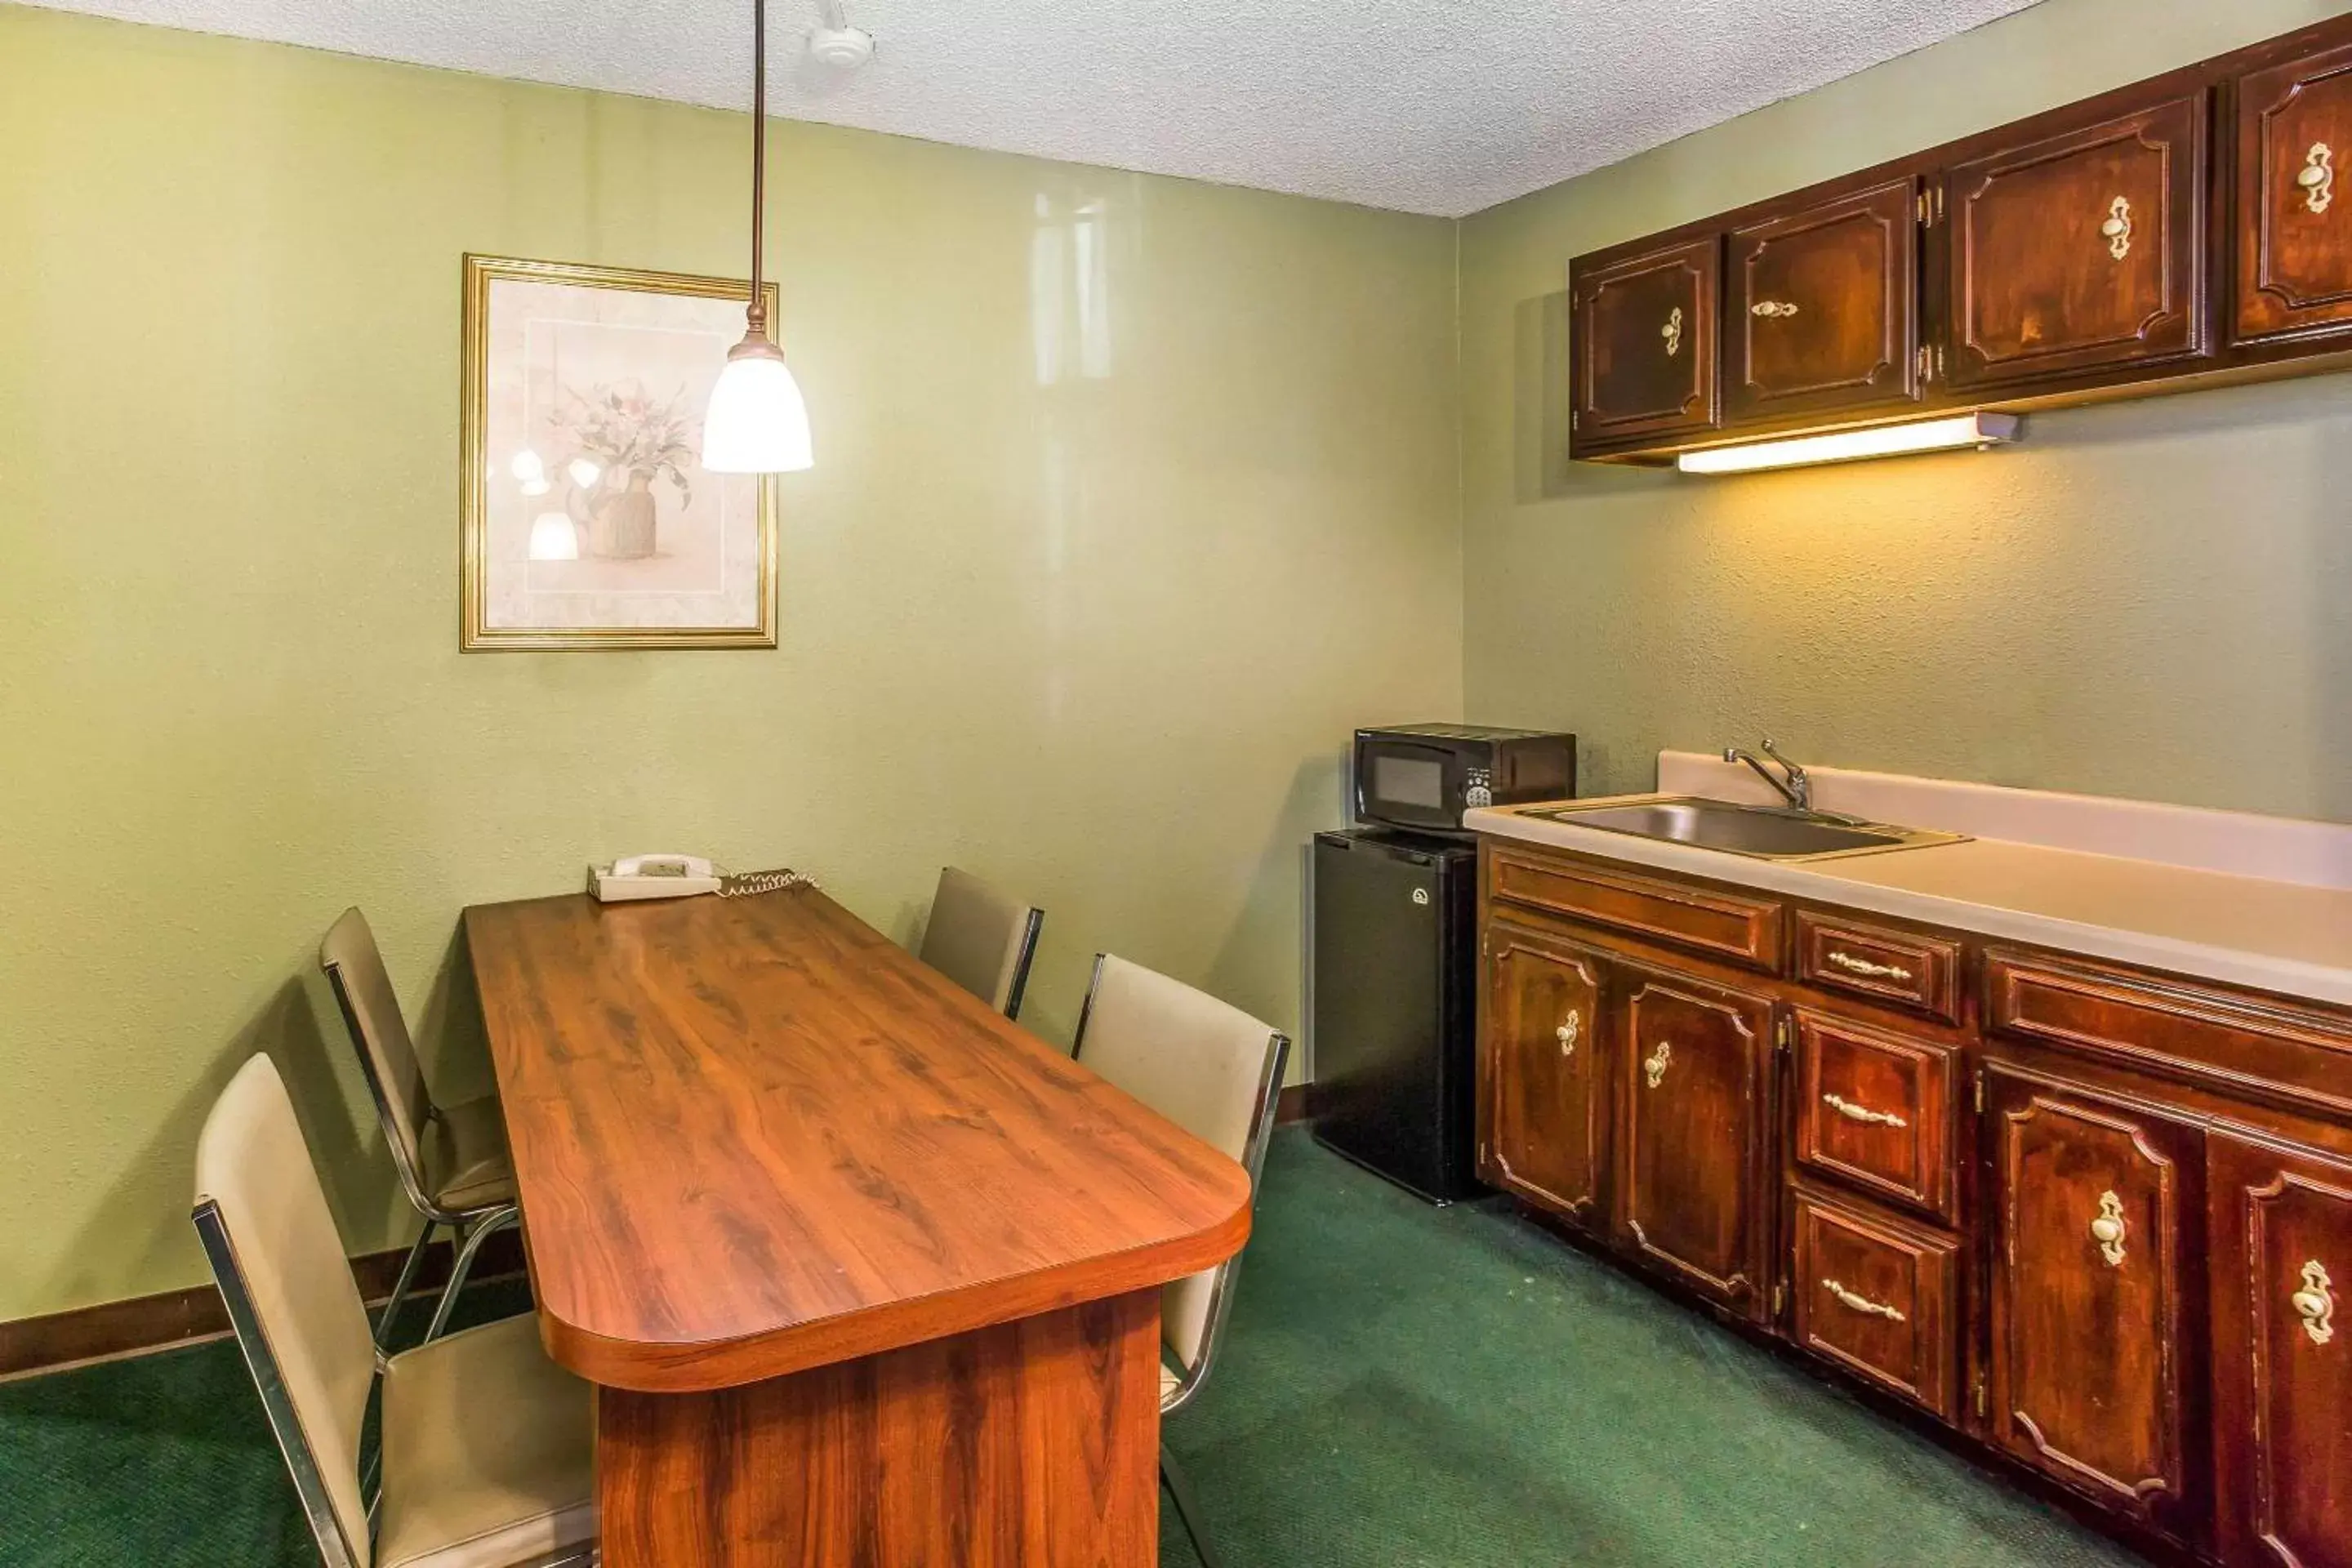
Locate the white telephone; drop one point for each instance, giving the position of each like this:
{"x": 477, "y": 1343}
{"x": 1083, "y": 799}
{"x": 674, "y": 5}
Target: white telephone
{"x": 682, "y": 876}
{"x": 653, "y": 876}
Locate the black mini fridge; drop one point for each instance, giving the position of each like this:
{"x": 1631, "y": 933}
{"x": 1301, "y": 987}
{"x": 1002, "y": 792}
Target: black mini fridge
{"x": 1393, "y": 1010}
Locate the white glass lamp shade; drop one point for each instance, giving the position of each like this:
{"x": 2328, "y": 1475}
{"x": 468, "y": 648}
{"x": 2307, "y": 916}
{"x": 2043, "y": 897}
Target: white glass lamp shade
{"x": 757, "y": 423}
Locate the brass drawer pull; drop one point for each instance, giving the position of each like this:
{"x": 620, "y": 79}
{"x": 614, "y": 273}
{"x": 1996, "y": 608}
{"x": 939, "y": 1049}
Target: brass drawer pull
{"x": 2108, "y": 1230}
{"x": 1673, "y": 331}
{"x": 1654, "y": 1068}
{"x": 2315, "y": 1303}
{"x": 1861, "y": 1303}
{"x": 1769, "y": 308}
{"x": 2317, "y": 177}
{"x": 1865, "y": 968}
{"x": 1566, "y": 1034}
{"x": 2119, "y": 228}
{"x": 1852, "y": 1112}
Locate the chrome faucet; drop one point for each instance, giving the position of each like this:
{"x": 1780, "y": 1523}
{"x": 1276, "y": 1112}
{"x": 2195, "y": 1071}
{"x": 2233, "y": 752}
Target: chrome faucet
{"x": 1797, "y": 790}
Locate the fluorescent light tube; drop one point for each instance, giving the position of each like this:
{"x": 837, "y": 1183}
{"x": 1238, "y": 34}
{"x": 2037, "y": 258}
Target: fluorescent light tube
{"x": 1978, "y": 430}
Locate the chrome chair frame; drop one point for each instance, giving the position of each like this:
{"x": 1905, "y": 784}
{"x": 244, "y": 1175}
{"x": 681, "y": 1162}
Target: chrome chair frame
{"x": 1031, "y": 926}
{"x": 471, "y": 1227}
{"x": 1220, "y": 1293}
{"x": 335, "y": 1549}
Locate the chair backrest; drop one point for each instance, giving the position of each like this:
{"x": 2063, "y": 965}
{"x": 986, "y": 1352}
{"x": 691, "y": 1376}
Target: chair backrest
{"x": 981, "y": 939}
{"x": 387, "y": 1053}
{"x": 1209, "y": 1068}
{"x": 279, "y": 1263}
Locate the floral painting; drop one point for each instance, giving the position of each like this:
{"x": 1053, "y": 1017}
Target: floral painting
{"x": 589, "y": 520}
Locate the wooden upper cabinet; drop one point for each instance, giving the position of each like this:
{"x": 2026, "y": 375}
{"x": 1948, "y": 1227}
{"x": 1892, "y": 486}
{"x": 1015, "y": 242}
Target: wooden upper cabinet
{"x": 1823, "y": 307}
{"x": 2094, "y": 1322}
{"x": 1691, "y": 1061}
{"x": 2294, "y": 214}
{"x": 1643, "y": 346}
{"x": 1547, "y": 1115}
{"x": 2080, "y": 251}
{"x": 2282, "y": 1281}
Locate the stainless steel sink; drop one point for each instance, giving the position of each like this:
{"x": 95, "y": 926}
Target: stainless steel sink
{"x": 1765, "y": 832}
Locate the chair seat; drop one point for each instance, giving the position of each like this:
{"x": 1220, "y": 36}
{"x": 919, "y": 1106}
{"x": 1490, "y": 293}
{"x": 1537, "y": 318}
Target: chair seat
{"x": 1170, "y": 1380}
{"x": 470, "y": 1161}
{"x": 488, "y": 1453}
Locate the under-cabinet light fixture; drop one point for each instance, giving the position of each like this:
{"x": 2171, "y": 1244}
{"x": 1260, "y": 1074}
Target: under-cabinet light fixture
{"x": 1978, "y": 430}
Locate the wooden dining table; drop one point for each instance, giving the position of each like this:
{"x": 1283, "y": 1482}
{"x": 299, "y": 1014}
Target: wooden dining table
{"x": 863, "y": 1272}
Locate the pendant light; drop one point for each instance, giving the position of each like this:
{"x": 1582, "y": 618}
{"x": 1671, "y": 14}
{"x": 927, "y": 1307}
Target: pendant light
{"x": 757, "y": 422}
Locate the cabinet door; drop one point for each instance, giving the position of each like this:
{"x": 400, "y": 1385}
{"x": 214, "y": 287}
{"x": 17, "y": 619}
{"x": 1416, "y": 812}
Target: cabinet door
{"x": 2092, "y": 1317}
{"x": 1691, "y": 1059}
{"x": 2282, "y": 1267}
{"x": 1822, "y": 308}
{"x": 1547, "y": 1115}
{"x": 2079, "y": 252}
{"x": 1643, "y": 348}
{"x": 2293, "y": 225}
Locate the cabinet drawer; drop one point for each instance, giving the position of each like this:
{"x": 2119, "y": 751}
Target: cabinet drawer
{"x": 1891, "y": 967}
{"x": 1875, "y": 1109}
{"x": 1874, "y": 1295}
{"x": 1721, "y": 925}
{"x": 2246, "y": 1046}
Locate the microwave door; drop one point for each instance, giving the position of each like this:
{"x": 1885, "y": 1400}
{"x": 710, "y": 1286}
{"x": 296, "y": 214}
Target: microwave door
{"x": 1408, "y": 785}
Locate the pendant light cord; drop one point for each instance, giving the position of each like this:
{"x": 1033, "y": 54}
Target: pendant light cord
{"x": 757, "y": 316}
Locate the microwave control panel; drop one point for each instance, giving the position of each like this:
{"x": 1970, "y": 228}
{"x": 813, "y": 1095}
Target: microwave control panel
{"x": 1477, "y": 788}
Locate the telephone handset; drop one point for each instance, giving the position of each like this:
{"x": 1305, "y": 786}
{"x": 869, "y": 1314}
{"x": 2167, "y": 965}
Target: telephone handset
{"x": 682, "y": 876}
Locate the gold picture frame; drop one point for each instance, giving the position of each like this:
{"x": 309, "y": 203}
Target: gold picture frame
{"x": 533, "y": 332}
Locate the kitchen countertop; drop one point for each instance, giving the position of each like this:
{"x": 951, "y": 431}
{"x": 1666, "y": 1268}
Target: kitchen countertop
{"x": 2242, "y": 931}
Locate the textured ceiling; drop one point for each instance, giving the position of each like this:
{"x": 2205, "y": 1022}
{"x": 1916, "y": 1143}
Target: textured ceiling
{"x": 1426, "y": 108}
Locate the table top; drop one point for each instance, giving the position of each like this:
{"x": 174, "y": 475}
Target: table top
{"x": 753, "y": 1136}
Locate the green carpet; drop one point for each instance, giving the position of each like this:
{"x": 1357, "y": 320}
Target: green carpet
{"x": 1402, "y": 1387}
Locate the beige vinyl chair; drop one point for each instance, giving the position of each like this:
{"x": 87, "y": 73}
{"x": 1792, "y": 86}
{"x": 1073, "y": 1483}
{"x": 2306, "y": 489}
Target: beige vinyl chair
{"x": 452, "y": 1160}
{"x": 981, "y": 939}
{"x": 1217, "y": 1072}
{"x": 486, "y": 1445}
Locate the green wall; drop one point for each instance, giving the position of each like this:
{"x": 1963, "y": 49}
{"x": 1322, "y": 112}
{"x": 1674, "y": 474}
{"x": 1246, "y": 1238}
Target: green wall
{"x": 1097, "y": 635}
{"x": 2144, "y": 599}
{"x": 1100, "y": 637}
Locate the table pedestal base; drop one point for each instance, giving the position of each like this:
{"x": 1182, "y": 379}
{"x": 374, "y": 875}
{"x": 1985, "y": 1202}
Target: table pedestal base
{"x": 1033, "y": 1443}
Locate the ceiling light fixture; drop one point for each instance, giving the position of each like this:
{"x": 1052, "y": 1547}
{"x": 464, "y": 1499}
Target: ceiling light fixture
{"x": 1964, "y": 430}
{"x": 835, "y": 43}
{"x": 758, "y": 421}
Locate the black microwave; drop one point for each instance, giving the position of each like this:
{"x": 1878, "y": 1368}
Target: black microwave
{"x": 1424, "y": 776}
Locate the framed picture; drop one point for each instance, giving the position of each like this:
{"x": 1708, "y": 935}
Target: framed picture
{"x": 587, "y": 518}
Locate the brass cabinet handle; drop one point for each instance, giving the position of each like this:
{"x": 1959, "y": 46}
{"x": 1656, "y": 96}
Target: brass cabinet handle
{"x": 1864, "y": 966}
{"x": 1566, "y": 1034}
{"x": 1861, "y": 1303}
{"x": 2119, "y": 228}
{"x": 2108, "y": 1230}
{"x": 1673, "y": 331}
{"x": 1773, "y": 308}
{"x": 2315, "y": 1303}
{"x": 1654, "y": 1068}
{"x": 2317, "y": 177}
{"x": 1852, "y": 1112}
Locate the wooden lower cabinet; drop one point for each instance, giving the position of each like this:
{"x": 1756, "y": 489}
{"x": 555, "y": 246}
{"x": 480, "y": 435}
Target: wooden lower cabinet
{"x": 2281, "y": 1265}
{"x": 2032, "y": 1195}
{"x": 2094, "y": 1221}
{"x": 1546, "y": 1110}
{"x": 1691, "y": 1061}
